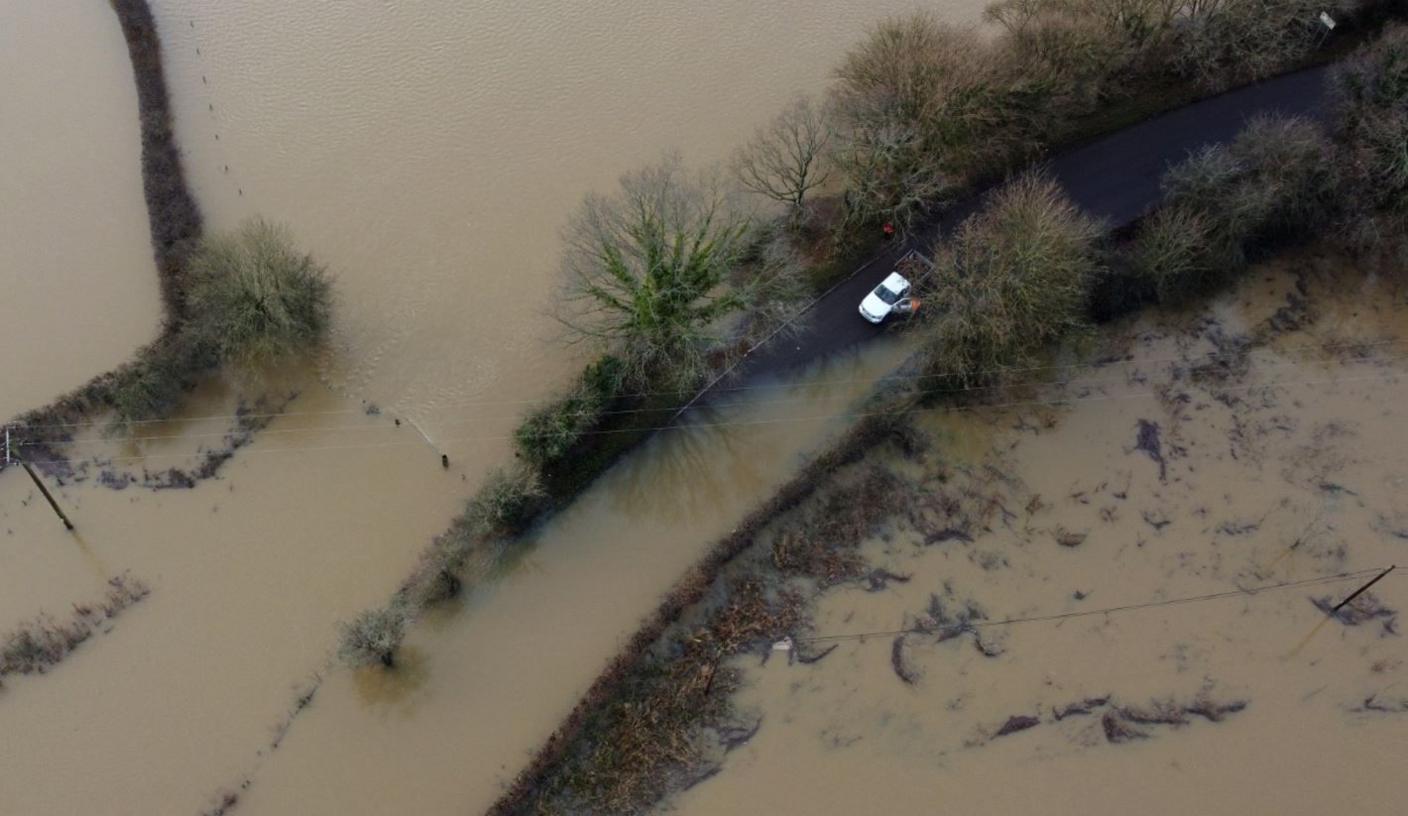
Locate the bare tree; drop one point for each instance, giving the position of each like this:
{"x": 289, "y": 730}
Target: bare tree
{"x": 785, "y": 160}
{"x": 373, "y": 637}
{"x": 1013, "y": 279}
{"x": 918, "y": 107}
{"x": 646, "y": 271}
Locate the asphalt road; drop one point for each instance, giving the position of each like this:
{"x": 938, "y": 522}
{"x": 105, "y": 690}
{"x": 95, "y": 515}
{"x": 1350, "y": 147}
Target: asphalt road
{"x": 1115, "y": 178}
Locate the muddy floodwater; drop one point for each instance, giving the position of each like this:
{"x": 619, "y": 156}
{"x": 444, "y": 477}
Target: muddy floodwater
{"x": 1220, "y": 452}
{"x": 430, "y": 152}
{"x": 78, "y": 290}
{"x": 486, "y": 682}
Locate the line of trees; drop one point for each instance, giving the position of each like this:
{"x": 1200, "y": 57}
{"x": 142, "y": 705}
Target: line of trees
{"x": 671, "y": 275}
{"x": 1030, "y": 271}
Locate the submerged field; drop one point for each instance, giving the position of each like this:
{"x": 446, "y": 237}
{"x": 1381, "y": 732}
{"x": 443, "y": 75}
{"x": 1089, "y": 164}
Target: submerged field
{"x": 175, "y": 654}
{"x": 79, "y": 290}
{"x": 1252, "y": 444}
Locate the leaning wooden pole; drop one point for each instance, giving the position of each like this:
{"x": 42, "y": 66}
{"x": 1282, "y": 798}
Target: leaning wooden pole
{"x": 42, "y": 489}
{"x": 1361, "y": 590}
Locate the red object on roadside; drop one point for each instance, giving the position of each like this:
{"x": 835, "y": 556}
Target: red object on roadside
{"x": 889, "y": 229}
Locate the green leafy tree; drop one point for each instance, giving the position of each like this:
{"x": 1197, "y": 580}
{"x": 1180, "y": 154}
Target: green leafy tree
{"x": 647, "y": 272}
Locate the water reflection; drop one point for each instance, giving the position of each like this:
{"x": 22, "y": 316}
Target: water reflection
{"x": 730, "y": 449}
{"x": 398, "y": 690}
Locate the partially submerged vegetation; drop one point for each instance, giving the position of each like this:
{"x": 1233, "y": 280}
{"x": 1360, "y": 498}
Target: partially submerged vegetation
{"x": 632, "y": 728}
{"x": 670, "y": 282}
{"x": 1268, "y": 189}
{"x": 1013, "y": 281}
{"x": 243, "y": 299}
{"x": 39, "y": 644}
{"x": 252, "y": 299}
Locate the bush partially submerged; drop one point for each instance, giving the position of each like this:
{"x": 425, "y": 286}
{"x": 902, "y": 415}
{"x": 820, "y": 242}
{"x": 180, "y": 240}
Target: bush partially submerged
{"x": 1013, "y": 280}
{"x": 550, "y": 432}
{"x": 505, "y": 504}
{"x": 645, "y": 272}
{"x": 39, "y": 644}
{"x": 373, "y": 637}
{"x": 254, "y": 297}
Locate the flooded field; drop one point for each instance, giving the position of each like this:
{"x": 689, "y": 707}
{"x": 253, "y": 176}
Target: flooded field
{"x": 487, "y": 681}
{"x": 79, "y": 291}
{"x": 430, "y": 152}
{"x": 1128, "y": 519}
{"x": 248, "y": 575}
{"x": 428, "y": 156}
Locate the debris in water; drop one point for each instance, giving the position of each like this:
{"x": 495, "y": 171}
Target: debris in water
{"x": 1118, "y": 731}
{"x": 880, "y": 578}
{"x": 1156, "y": 519}
{"x": 1015, "y": 723}
{"x": 1148, "y": 441}
{"x": 948, "y": 534}
{"x": 1375, "y": 704}
{"x": 816, "y": 658}
{"x": 1079, "y": 708}
{"x": 902, "y": 671}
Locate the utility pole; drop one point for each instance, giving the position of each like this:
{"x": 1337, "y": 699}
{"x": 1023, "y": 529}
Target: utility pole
{"x": 1360, "y": 591}
{"x": 10, "y": 460}
{"x": 42, "y": 489}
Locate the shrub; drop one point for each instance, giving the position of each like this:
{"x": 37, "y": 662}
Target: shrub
{"x": 1013, "y": 279}
{"x": 1276, "y": 179}
{"x": 254, "y": 297}
{"x": 1079, "y": 44}
{"x": 1171, "y": 256}
{"x": 373, "y": 637}
{"x": 505, "y": 504}
{"x": 1275, "y": 182}
{"x": 151, "y": 387}
{"x": 1371, "y": 92}
{"x": 552, "y": 431}
{"x": 1220, "y": 43}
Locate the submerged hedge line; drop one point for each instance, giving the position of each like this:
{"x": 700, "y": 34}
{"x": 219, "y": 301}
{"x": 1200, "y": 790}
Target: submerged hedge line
{"x": 244, "y": 298}
{"x": 176, "y": 227}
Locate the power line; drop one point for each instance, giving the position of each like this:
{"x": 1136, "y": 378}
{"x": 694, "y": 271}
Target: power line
{"x": 1212, "y": 596}
{"x": 770, "y": 421}
{"x": 748, "y": 403}
{"x": 1004, "y": 371}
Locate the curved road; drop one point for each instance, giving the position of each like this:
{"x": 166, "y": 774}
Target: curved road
{"x": 1115, "y": 177}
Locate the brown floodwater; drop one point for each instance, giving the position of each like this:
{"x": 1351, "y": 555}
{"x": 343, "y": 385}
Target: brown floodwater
{"x": 485, "y": 682}
{"x": 1290, "y": 470}
{"x": 428, "y": 154}
{"x": 78, "y": 289}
